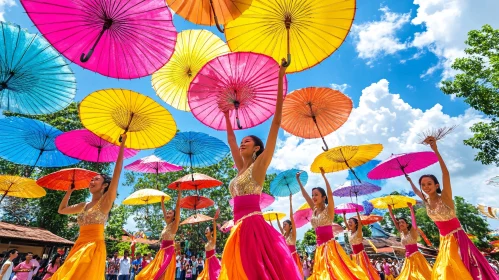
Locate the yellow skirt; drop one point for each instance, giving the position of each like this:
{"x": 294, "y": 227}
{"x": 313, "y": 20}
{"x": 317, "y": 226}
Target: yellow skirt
{"x": 415, "y": 267}
{"x": 87, "y": 258}
{"x": 151, "y": 270}
{"x": 448, "y": 264}
{"x": 362, "y": 260}
{"x": 331, "y": 262}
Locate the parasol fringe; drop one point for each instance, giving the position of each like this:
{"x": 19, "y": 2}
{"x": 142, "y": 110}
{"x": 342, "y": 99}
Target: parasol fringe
{"x": 438, "y": 133}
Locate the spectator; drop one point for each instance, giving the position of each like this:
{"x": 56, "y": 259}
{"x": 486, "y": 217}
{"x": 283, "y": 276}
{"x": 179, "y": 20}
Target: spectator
{"x": 200, "y": 266}
{"x": 35, "y": 262}
{"x": 113, "y": 267}
{"x": 124, "y": 267}
{"x": 7, "y": 267}
{"x": 53, "y": 266}
{"x": 136, "y": 266}
{"x": 379, "y": 267}
{"x": 387, "y": 270}
{"x": 145, "y": 261}
{"x": 24, "y": 268}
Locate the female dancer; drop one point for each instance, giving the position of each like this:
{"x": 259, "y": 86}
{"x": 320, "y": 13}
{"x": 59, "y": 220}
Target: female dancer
{"x": 415, "y": 265}
{"x": 163, "y": 266}
{"x": 87, "y": 258}
{"x": 458, "y": 257}
{"x": 331, "y": 261}
{"x": 254, "y": 249}
{"x": 355, "y": 238}
{"x": 289, "y": 232}
{"x": 211, "y": 268}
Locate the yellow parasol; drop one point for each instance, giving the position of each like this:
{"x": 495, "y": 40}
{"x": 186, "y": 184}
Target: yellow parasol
{"x": 273, "y": 215}
{"x": 145, "y": 196}
{"x": 111, "y": 112}
{"x": 396, "y": 201}
{"x": 19, "y": 187}
{"x": 310, "y": 30}
{"x": 304, "y": 206}
{"x": 193, "y": 50}
{"x": 345, "y": 157}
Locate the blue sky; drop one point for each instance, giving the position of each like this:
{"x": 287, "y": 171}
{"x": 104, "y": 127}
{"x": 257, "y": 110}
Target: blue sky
{"x": 410, "y": 44}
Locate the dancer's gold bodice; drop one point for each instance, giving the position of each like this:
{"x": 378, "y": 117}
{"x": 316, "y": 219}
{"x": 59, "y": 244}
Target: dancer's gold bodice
{"x": 244, "y": 184}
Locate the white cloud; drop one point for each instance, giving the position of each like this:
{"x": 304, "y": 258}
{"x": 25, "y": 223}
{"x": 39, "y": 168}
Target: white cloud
{"x": 340, "y": 87}
{"x": 383, "y": 117}
{"x": 410, "y": 87}
{"x": 4, "y": 5}
{"x": 378, "y": 38}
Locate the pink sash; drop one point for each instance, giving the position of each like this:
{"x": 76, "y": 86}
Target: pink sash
{"x": 324, "y": 234}
{"x": 357, "y": 248}
{"x": 410, "y": 249}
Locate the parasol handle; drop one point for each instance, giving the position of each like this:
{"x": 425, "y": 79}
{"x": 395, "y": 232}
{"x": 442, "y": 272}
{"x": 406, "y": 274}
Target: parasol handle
{"x": 236, "y": 107}
{"x": 326, "y": 148}
{"x": 85, "y": 57}
{"x": 314, "y": 118}
{"x": 288, "y": 26}
{"x": 128, "y": 126}
{"x": 220, "y": 28}
{"x": 288, "y": 62}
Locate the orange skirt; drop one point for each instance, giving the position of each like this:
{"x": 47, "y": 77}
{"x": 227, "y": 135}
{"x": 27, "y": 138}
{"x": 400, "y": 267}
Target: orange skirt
{"x": 151, "y": 270}
{"x": 362, "y": 260}
{"x": 415, "y": 267}
{"x": 296, "y": 258}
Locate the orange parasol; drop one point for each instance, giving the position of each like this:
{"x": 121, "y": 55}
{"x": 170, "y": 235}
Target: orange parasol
{"x": 194, "y": 181}
{"x": 371, "y": 219}
{"x": 196, "y": 202}
{"x": 62, "y": 180}
{"x": 315, "y": 112}
{"x": 196, "y": 218}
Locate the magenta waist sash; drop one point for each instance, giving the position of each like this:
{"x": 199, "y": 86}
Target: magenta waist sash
{"x": 210, "y": 253}
{"x": 446, "y": 227}
{"x": 292, "y": 248}
{"x": 410, "y": 249}
{"x": 324, "y": 234}
{"x": 357, "y": 248}
{"x": 166, "y": 243}
{"x": 246, "y": 204}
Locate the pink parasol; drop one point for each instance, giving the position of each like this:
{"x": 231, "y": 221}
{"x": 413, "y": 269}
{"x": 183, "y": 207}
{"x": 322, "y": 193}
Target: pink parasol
{"x": 337, "y": 229}
{"x": 84, "y": 145}
{"x": 265, "y": 201}
{"x": 227, "y": 226}
{"x": 302, "y": 217}
{"x": 152, "y": 164}
{"x": 123, "y": 39}
{"x": 346, "y": 208}
{"x": 244, "y": 83}
{"x": 402, "y": 164}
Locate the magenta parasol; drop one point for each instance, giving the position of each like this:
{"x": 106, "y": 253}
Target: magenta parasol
{"x": 152, "y": 164}
{"x": 243, "y": 83}
{"x": 346, "y": 208}
{"x": 402, "y": 164}
{"x": 123, "y": 39}
{"x": 84, "y": 145}
{"x": 265, "y": 201}
{"x": 302, "y": 217}
{"x": 227, "y": 226}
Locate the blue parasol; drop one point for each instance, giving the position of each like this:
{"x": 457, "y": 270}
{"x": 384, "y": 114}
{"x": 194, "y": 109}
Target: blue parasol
{"x": 368, "y": 207}
{"x": 361, "y": 172}
{"x": 31, "y": 142}
{"x": 285, "y": 183}
{"x": 194, "y": 149}
{"x": 34, "y": 78}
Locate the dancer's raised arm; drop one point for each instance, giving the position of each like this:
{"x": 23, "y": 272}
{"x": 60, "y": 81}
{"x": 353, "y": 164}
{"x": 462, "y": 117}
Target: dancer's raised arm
{"x": 279, "y": 224}
{"x": 177, "y": 211}
{"x": 110, "y": 195}
{"x": 307, "y": 197}
{"x": 72, "y": 209}
{"x": 393, "y": 218}
{"x": 329, "y": 191}
{"x": 414, "y": 188}
{"x": 292, "y": 219}
{"x": 360, "y": 225}
{"x": 447, "y": 188}
{"x": 413, "y": 216}
{"x": 231, "y": 139}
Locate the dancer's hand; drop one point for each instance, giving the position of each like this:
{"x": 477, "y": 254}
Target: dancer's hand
{"x": 408, "y": 178}
{"x": 123, "y": 137}
{"x": 217, "y": 214}
{"x": 282, "y": 69}
{"x": 409, "y": 204}
{"x": 322, "y": 171}
{"x": 298, "y": 175}
{"x": 430, "y": 140}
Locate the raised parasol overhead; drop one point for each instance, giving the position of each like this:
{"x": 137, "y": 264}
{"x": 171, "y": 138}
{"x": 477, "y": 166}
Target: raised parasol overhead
{"x": 489, "y": 212}
{"x": 304, "y": 206}
{"x": 368, "y": 207}
{"x": 193, "y": 149}
{"x": 84, "y": 145}
{"x": 354, "y": 188}
{"x": 437, "y": 133}
{"x": 265, "y": 201}
{"x": 196, "y": 218}
{"x": 111, "y": 112}
{"x": 362, "y": 171}
{"x": 315, "y": 112}
{"x": 346, "y": 208}
{"x": 194, "y": 182}
{"x": 63, "y": 180}
{"x": 395, "y": 201}
{"x": 209, "y": 12}
{"x": 152, "y": 164}
{"x": 402, "y": 164}
{"x": 302, "y": 217}
{"x": 195, "y": 202}
{"x": 19, "y": 187}
{"x": 193, "y": 50}
{"x": 371, "y": 219}
{"x": 285, "y": 183}
{"x": 245, "y": 84}
{"x": 31, "y": 142}
{"x": 270, "y": 216}
{"x": 146, "y": 196}
{"x": 123, "y": 39}
{"x": 307, "y": 30}
{"x": 34, "y": 78}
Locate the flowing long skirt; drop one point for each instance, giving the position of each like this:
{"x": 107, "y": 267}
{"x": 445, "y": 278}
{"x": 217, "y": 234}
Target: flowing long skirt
{"x": 296, "y": 258}
{"x": 360, "y": 257}
{"x": 163, "y": 266}
{"x": 211, "y": 269}
{"x": 415, "y": 266}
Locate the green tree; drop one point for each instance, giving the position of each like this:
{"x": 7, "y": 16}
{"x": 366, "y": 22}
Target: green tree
{"x": 478, "y": 83}
{"x": 472, "y": 222}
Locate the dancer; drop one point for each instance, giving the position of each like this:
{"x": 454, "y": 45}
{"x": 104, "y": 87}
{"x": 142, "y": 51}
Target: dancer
{"x": 331, "y": 261}
{"x": 211, "y": 264}
{"x": 458, "y": 258}
{"x": 415, "y": 265}
{"x": 288, "y": 230}
{"x": 254, "y": 249}
{"x": 87, "y": 258}
{"x": 355, "y": 238}
{"x": 163, "y": 266}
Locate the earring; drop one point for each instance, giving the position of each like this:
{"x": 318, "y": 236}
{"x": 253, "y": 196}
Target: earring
{"x": 254, "y": 156}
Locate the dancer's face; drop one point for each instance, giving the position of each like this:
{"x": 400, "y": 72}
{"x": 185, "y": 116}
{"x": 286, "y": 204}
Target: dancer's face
{"x": 286, "y": 226}
{"x": 428, "y": 185}
{"x": 97, "y": 184}
{"x": 247, "y": 147}
{"x": 207, "y": 232}
{"x": 170, "y": 215}
{"x": 351, "y": 224}
{"x": 317, "y": 198}
{"x": 402, "y": 224}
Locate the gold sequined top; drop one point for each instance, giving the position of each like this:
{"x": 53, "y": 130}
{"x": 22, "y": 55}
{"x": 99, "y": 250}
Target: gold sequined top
{"x": 210, "y": 245}
{"x": 321, "y": 219}
{"x": 289, "y": 239}
{"x": 92, "y": 216}
{"x": 244, "y": 184}
{"x": 410, "y": 238}
{"x": 167, "y": 233}
{"x": 441, "y": 212}
{"x": 355, "y": 238}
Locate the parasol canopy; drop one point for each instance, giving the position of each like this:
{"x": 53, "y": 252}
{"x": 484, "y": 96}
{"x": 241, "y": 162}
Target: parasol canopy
{"x": 302, "y": 217}
{"x": 194, "y": 182}
{"x": 362, "y": 171}
{"x": 34, "y": 78}
{"x": 396, "y": 201}
{"x": 273, "y": 215}
{"x": 354, "y": 188}
{"x": 489, "y": 212}
{"x": 146, "y": 196}
{"x": 227, "y": 226}
{"x": 402, "y": 164}
{"x": 19, "y": 187}
{"x": 196, "y": 218}
{"x": 123, "y": 39}
{"x": 346, "y": 208}
{"x": 193, "y": 50}
{"x": 152, "y": 164}
{"x": 111, "y": 112}
{"x": 62, "y": 180}
{"x": 196, "y": 202}
{"x": 265, "y": 201}
{"x": 371, "y": 219}
{"x": 304, "y": 206}
{"x": 337, "y": 229}
{"x": 243, "y": 83}
{"x": 285, "y": 183}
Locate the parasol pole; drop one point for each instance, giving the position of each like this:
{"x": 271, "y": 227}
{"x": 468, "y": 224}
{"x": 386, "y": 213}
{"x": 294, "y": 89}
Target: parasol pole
{"x": 6, "y": 192}
{"x": 236, "y": 107}
{"x": 351, "y": 169}
{"x": 157, "y": 176}
{"x": 74, "y": 179}
{"x": 401, "y": 167}
{"x": 220, "y": 28}
{"x": 98, "y": 157}
{"x": 107, "y": 24}
{"x": 317, "y": 125}
{"x": 287, "y": 23}
{"x": 128, "y": 125}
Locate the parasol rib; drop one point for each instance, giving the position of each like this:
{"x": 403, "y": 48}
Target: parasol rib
{"x": 107, "y": 24}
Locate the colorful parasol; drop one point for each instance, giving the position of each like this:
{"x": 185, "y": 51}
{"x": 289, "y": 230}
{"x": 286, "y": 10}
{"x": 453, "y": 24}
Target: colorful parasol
{"x": 337, "y": 229}
{"x": 489, "y": 212}
{"x": 193, "y": 50}
{"x": 309, "y": 30}
{"x": 285, "y": 183}
{"x": 243, "y": 83}
{"x": 362, "y": 171}
{"x": 84, "y": 145}
{"x": 315, "y": 112}
{"x": 368, "y": 207}
{"x": 227, "y": 226}
{"x": 62, "y": 180}
{"x": 304, "y": 206}
{"x": 402, "y": 164}
{"x": 346, "y": 208}
{"x": 123, "y": 39}
{"x": 396, "y": 201}
{"x": 354, "y": 188}
{"x": 31, "y": 142}
{"x": 34, "y": 78}
{"x": 146, "y": 196}
{"x": 196, "y": 218}
{"x": 371, "y": 219}
{"x": 194, "y": 181}
{"x": 111, "y": 112}
{"x": 345, "y": 157}
{"x": 152, "y": 164}
{"x": 273, "y": 215}
{"x": 265, "y": 201}
{"x": 302, "y": 217}
{"x": 194, "y": 149}
{"x": 195, "y": 202}
{"x": 19, "y": 187}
